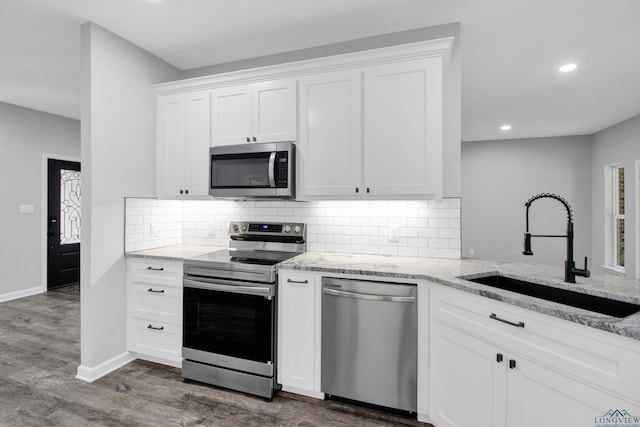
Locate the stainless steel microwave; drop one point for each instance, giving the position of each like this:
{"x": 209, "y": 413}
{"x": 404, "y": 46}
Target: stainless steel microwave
{"x": 253, "y": 171}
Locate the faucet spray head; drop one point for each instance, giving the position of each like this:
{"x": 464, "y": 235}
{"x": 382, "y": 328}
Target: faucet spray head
{"x": 527, "y": 244}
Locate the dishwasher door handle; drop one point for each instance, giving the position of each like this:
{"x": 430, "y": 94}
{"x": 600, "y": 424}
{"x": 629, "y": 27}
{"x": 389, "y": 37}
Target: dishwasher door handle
{"x": 368, "y": 297}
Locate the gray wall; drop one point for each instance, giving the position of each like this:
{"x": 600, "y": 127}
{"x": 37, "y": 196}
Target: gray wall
{"x": 498, "y": 177}
{"x": 25, "y": 135}
{"x": 452, "y": 94}
{"x": 118, "y": 157}
{"x": 617, "y": 144}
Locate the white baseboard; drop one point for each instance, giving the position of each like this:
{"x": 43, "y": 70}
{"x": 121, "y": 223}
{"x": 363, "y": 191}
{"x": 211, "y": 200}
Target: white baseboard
{"x": 89, "y": 375}
{"x": 423, "y": 418}
{"x": 21, "y": 294}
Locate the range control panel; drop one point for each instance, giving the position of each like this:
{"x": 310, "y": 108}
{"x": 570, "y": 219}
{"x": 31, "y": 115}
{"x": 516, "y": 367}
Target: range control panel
{"x": 240, "y": 229}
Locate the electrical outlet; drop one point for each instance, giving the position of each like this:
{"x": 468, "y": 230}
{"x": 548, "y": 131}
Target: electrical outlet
{"x": 394, "y": 234}
{"x": 153, "y": 230}
{"x": 212, "y": 231}
{"x": 472, "y": 252}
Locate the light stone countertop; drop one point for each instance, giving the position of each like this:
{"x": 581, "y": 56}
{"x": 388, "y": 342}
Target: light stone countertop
{"x": 448, "y": 272}
{"x": 175, "y": 252}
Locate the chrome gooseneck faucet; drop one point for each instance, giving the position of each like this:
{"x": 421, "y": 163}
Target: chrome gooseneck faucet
{"x": 570, "y": 270}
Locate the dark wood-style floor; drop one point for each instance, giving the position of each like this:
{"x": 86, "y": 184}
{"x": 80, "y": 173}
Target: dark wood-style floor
{"x": 40, "y": 352}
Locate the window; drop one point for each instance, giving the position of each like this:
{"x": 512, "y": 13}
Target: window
{"x": 617, "y": 217}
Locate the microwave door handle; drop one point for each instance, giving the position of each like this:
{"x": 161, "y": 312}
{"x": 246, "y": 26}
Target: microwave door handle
{"x": 272, "y": 166}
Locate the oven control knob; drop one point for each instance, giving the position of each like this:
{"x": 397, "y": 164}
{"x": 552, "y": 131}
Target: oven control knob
{"x": 235, "y": 228}
{"x": 287, "y": 228}
{"x": 297, "y": 229}
{"x": 244, "y": 227}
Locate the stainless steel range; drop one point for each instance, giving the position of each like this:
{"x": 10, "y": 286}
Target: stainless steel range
{"x": 229, "y": 336}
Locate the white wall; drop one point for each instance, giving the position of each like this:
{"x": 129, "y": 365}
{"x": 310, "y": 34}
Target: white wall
{"x": 617, "y": 144}
{"x": 452, "y": 126}
{"x": 25, "y": 135}
{"x": 498, "y": 177}
{"x": 118, "y": 158}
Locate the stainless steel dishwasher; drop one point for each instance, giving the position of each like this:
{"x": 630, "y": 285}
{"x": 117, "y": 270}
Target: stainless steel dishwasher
{"x": 369, "y": 342}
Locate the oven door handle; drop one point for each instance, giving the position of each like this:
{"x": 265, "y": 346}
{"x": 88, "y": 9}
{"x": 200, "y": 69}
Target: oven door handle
{"x": 236, "y": 289}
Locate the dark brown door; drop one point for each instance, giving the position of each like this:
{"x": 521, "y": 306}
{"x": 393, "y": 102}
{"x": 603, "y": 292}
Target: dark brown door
{"x": 63, "y": 223}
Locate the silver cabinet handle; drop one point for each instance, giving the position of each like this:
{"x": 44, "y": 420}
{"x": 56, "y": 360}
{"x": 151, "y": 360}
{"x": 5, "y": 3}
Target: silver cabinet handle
{"x": 161, "y": 328}
{"x": 161, "y": 291}
{"x": 369, "y": 297}
{"x": 155, "y": 269}
{"x": 302, "y": 282}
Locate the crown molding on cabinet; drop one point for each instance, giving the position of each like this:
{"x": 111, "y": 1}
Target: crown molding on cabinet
{"x": 424, "y": 49}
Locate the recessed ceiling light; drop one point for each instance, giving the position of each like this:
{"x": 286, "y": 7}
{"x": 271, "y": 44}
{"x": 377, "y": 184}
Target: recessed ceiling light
{"x": 505, "y": 127}
{"x": 567, "y": 68}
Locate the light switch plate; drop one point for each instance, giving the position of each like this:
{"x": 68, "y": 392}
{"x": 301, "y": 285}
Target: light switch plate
{"x": 27, "y": 209}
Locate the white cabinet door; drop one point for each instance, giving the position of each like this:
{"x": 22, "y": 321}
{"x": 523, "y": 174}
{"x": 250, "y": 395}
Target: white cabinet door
{"x": 274, "y": 111}
{"x": 468, "y": 380}
{"x": 198, "y": 142}
{"x": 171, "y": 145}
{"x": 542, "y": 396}
{"x": 403, "y": 128}
{"x": 299, "y": 333}
{"x": 231, "y": 120}
{"x": 329, "y": 150}
{"x": 184, "y": 137}
{"x": 259, "y": 112}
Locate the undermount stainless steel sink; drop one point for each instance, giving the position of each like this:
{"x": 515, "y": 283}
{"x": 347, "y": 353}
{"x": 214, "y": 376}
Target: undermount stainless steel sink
{"x": 581, "y": 300}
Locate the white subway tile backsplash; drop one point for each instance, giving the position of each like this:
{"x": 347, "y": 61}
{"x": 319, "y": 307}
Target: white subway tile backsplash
{"x": 439, "y": 243}
{"x": 426, "y": 228}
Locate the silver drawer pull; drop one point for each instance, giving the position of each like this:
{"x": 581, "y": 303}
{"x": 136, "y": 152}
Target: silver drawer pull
{"x": 155, "y": 269}
{"x": 161, "y": 291}
{"x": 161, "y": 328}
{"x": 302, "y": 282}
{"x": 517, "y": 325}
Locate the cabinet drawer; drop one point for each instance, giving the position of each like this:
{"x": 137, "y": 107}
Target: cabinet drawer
{"x": 601, "y": 358}
{"x": 160, "y": 303}
{"x": 158, "y": 339}
{"x": 156, "y": 272}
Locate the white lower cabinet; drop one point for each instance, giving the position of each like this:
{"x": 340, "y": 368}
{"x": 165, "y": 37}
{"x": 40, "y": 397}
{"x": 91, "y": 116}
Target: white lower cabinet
{"x": 154, "y": 307}
{"x": 487, "y": 373}
{"x": 299, "y": 299}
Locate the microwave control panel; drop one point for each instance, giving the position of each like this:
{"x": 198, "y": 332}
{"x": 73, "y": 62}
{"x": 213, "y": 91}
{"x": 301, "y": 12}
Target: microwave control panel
{"x": 282, "y": 169}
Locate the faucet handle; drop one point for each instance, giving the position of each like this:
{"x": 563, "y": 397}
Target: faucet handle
{"x": 587, "y": 273}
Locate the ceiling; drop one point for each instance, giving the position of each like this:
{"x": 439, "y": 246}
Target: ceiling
{"x": 510, "y": 50}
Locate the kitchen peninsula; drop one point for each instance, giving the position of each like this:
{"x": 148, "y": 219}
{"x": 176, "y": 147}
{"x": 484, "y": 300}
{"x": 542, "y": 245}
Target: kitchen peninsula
{"x": 556, "y": 358}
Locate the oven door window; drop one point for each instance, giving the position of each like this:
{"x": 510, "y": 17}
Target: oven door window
{"x": 241, "y": 171}
{"x": 231, "y": 324}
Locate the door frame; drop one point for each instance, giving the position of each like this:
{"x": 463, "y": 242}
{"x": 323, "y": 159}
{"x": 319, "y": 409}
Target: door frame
{"x": 43, "y": 220}
{"x": 636, "y": 183}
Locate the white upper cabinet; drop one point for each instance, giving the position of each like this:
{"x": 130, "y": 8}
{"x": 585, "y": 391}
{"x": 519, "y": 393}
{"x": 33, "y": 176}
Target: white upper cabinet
{"x": 259, "y": 112}
{"x": 184, "y": 138}
{"x": 329, "y": 152}
{"x": 403, "y": 129}
{"x": 399, "y": 154}
{"x": 370, "y": 122}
